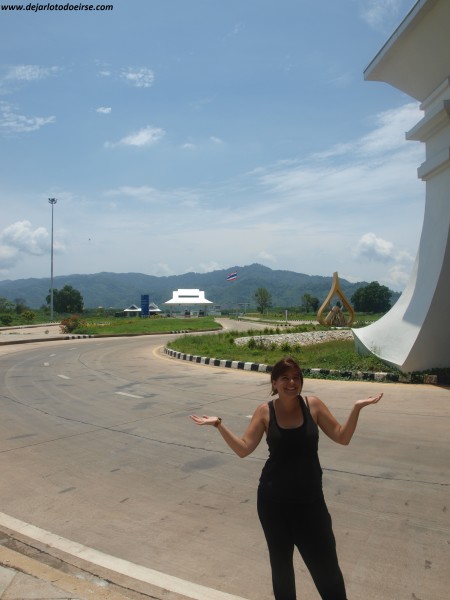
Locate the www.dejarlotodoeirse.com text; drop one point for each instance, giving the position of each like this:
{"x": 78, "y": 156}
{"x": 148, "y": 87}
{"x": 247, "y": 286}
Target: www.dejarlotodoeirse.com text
{"x": 56, "y": 7}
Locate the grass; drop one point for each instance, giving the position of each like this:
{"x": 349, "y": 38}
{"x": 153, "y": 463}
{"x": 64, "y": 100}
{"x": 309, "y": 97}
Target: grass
{"x": 336, "y": 354}
{"x": 277, "y": 316}
{"x": 137, "y": 326}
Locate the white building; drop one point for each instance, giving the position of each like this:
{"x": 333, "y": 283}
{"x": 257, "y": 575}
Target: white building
{"x": 135, "y": 311}
{"x": 189, "y": 299}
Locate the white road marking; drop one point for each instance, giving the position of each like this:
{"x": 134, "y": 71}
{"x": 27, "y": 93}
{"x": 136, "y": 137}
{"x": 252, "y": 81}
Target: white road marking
{"x": 63, "y": 376}
{"x": 129, "y": 395}
{"x": 118, "y": 565}
{"x": 46, "y": 364}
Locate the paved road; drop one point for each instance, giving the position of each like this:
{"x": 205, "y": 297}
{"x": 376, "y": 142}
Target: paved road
{"x": 96, "y": 447}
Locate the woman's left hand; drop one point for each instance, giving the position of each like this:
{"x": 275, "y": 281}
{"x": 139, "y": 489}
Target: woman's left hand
{"x": 205, "y": 420}
{"x": 369, "y": 400}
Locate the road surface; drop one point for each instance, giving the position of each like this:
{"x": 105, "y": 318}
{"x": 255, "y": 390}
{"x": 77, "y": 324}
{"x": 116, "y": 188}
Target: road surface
{"x": 96, "y": 446}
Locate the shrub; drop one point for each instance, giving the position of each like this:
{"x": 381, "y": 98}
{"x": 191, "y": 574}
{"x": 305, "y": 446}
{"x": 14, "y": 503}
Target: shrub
{"x": 28, "y": 316}
{"x": 71, "y": 324}
{"x": 6, "y": 319}
{"x": 251, "y": 343}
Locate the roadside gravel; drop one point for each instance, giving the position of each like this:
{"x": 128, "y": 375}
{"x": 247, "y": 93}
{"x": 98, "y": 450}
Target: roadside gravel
{"x": 301, "y": 339}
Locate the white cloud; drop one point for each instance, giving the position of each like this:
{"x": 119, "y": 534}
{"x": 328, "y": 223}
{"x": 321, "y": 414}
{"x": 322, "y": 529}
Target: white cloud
{"x": 201, "y": 103}
{"x": 140, "y": 78}
{"x": 148, "y": 136}
{"x": 142, "y": 193}
{"x": 387, "y": 136}
{"x": 20, "y": 239}
{"x": 30, "y": 72}
{"x": 399, "y": 276}
{"x": 306, "y": 215}
{"x": 150, "y": 195}
{"x": 215, "y": 140}
{"x": 266, "y": 257}
{"x": 374, "y": 248}
{"x": 12, "y": 122}
{"x": 341, "y": 80}
{"x": 207, "y": 267}
{"x": 379, "y": 14}
{"x": 104, "y": 110}
{"x": 163, "y": 269}
{"x": 361, "y": 174}
{"x": 8, "y": 258}
{"x": 391, "y": 125}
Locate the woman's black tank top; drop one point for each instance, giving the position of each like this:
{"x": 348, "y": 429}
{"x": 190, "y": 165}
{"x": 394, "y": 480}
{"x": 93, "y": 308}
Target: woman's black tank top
{"x": 292, "y": 471}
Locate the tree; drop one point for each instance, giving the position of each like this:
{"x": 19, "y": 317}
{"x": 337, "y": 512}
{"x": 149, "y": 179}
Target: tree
{"x": 21, "y": 305}
{"x": 263, "y": 299}
{"x": 372, "y": 298}
{"x": 6, "y": 306}
{"x": 310, "y": 303}
{"x": 67, "y": 300}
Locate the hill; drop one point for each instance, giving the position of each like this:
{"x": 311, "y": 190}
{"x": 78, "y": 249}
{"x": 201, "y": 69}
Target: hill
{"x": 119, "y": 290}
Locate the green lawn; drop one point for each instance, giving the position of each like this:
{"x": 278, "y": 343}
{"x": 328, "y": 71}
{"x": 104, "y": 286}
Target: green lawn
{"x": 340, "y": 355}
{"x": 141, "y": 326}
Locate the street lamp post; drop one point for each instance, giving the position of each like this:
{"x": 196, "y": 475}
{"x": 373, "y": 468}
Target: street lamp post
{"x": 52, "y": 201}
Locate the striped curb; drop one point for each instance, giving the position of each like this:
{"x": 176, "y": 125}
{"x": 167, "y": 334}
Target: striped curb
{"x": 217, "y": 362}
{"x": 314, "y": 373}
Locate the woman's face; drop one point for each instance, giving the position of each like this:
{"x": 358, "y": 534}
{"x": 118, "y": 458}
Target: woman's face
{"x": 288, "y": 383}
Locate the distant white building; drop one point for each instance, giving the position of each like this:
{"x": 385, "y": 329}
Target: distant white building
{"x": 188, "y": 298}
{"x": 132, "y": 311}
{"x": 135, "y": 311}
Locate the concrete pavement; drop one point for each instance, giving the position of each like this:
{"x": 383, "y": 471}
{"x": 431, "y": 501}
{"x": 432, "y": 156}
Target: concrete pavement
{"x": 29, "y": 570}
{"x": 28, "y": 573}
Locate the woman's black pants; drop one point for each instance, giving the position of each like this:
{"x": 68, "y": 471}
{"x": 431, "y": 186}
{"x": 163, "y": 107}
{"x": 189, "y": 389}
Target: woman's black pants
{"x": 308, "y": 527}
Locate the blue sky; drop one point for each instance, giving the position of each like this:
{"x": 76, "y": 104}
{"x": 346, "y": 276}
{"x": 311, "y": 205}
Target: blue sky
{"x": 193, "y": 136}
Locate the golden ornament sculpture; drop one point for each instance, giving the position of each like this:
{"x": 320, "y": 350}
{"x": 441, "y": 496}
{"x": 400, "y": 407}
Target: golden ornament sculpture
{"x": 336, "y": 317}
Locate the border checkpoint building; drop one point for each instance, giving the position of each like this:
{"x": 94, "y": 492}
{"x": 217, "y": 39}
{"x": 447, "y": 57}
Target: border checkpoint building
{"x": 188, "y": 299}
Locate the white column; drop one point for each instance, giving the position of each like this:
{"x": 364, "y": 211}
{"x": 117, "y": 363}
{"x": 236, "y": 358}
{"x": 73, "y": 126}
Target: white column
{"x": 415, "y": 334}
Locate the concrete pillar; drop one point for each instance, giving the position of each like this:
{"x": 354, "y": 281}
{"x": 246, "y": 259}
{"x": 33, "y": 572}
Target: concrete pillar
{"x": 415, "y": 334}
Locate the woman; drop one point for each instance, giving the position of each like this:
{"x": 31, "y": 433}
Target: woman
{"x": 291, "y": 506}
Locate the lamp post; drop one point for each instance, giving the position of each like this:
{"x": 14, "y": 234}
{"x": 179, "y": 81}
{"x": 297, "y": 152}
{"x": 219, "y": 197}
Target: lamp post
{"x": 52, "y": 201}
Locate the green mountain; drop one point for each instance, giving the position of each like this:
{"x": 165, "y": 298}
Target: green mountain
{"x": 119, "y": 290}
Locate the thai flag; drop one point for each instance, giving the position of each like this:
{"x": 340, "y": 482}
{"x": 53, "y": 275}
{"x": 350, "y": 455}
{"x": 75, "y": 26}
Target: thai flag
{"x": 232, "y": 276}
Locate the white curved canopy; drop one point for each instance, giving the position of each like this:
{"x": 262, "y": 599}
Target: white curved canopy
{"x": 184, "y": 297}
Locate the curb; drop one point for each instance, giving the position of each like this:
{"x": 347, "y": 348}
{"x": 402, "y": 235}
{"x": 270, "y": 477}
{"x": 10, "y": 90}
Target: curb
{"x": 313, "y": 373}
{"x": 101, "y": 335}
{"x": 67, "y": 584}
{"x": 217, "y": 362}
{"x": 31, "y": 341}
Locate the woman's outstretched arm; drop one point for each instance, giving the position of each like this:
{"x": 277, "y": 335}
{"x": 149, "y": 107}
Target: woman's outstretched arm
{"x": 342, "y": 434}
{"x": 242, "y": 446}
